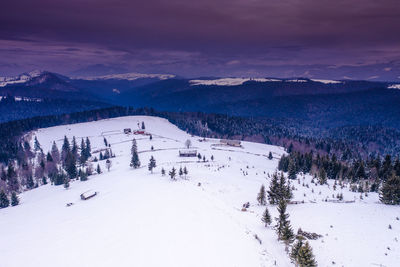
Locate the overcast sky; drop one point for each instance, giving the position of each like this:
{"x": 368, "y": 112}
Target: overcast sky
{"x": 198, "y": 38}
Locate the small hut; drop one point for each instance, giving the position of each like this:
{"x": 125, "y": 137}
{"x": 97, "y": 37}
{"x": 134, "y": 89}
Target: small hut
{"x": 187, "y": 153}
{"x": 228, "y": 142}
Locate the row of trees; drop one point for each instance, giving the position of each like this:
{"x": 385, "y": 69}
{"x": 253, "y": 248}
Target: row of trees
{"x": 280, "y": 193}
{"x": 373, "y": 174}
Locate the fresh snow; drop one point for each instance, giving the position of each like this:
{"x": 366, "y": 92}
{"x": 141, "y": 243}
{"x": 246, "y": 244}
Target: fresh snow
{"x": 394, "y": 86}
{"x": 326, "y": 81}
{"x": 129, "y": 76}
{"x": 230, "y": 81}
{"x": 22, "y": 78}
{"x": 143, "y": 219}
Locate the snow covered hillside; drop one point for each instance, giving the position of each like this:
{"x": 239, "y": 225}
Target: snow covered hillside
{"x": 139, "y": 218}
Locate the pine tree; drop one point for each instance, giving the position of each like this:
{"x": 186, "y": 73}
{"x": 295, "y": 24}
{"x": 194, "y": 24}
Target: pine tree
{"x": 98, "y": 170}
{"x": 36, "y": 145}
{"x": 29, "y": 182}
{"x": 305, "y": 257}
{"x": 83, "y": 158}
{"x": 143, "y": 126}
{"x": 4, "y": 202}
{"x": 284, "y": 192}
{"x": 66, "y": 183}
{"x": 14, "y": 199}
{"x": 180, "y": 172}
{"x": 283, "y": 228}
{"x": 212, "y": 157}
{"x": 292, "y": 169}
{"x": 266, "y": 218}
{"x": 390, "y": 192}
{"x": 185, "y": 171}
{"x": 74, "y": 149}
{"x": 270, "y": 157}
{"x": 322, "y": 176}
{"x": 83, "y": 176}
{"x": 65, "y": 149}
{"x": 152, "y": 164}
{"x": 162, "y": 171}
{"x": 55, "y": 154}
{"x": 273, "y": 192}
{"x": 70, "y": 166}
{"x": 88, "y": 149}
{"x": 135, "y": 162}
{"x": 261, "y": 196}
{"x": 172, "y": 174}
{"x": 295, "y": 249}
{"x": 105, "y": 142}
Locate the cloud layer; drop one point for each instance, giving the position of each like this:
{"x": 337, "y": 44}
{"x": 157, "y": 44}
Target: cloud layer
{"x": 196, "y": 38}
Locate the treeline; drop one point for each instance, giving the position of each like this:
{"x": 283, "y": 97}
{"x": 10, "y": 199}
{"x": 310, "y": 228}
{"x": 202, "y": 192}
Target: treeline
{"x": 343, "y": 144}
{"x": 374, "y": 174}
{"x": 34, "y": 167}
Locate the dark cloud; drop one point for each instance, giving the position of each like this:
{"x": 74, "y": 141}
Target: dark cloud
{"x": 198, "y": 37}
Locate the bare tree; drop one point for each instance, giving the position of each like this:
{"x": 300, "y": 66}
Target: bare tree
{"x": 188, "y": 143}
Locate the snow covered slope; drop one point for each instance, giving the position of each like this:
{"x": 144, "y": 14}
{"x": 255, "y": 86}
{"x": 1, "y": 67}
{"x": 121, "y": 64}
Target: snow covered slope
{"x": 144, "y": 219}
{"x": 129, "y": 76}
{"x": 22, "y": 78}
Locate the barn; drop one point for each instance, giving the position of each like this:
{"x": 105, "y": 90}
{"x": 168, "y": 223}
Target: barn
{"x": 228, "y": 142}
{"x": 187, "y": 153}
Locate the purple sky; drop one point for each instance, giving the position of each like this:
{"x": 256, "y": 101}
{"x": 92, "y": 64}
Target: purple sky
{"x": 314, "y": 38}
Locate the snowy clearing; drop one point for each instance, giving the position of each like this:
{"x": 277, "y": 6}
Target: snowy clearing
{"x": 143, "y": 219}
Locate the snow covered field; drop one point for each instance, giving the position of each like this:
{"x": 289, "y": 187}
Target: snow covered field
{"x": 144, "y": 219}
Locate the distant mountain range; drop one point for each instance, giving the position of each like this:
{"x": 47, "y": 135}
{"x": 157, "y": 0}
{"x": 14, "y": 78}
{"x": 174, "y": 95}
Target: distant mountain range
{"x": 315, "y": 103}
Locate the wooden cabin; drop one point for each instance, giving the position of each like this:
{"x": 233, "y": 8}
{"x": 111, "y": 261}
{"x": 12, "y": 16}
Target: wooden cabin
{"x": 228, "y": 142}
{"x": 187, "y": 153}
{"x": 88, "y": 194}
{"x": 127, "y": 130}
{"x": 139, "y": 132}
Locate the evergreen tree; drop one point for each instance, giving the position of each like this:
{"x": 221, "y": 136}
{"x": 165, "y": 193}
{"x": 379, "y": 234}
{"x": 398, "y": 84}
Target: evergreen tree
{"x": 152, "y": 164}
{"x": 180, "y": 172}
{"x": 162, "y": 171}
{"x": 70, "y": 166}
{"x": 295, "y": 249}
{"x": 143, "y": 126}
{"x": 74, "y": 149}
{"x": 4, "y": 202}
{"x": 55, "y": 154}
{"x": 83, "y": 156}
{"x": 261, "y": 196}
{"x": 88, "y": 149}
{"x": 66, "y": 183}
{"x": 172, "y": 174}
{"x": 185, "y": 171}
{"x": 292, "y": 169}
{"x": 36, "y": 145}
{"x": 212, "y": 157}
{"x": 12, "y": 178}
{"x": 98, "y": 170}
{"x": 105, "y": 142}
{"x": 390, "y": 192}
{"x": 29, "y": 182}
{"x": 273, "y": 192}
{"x": 270, "y": 157}
{"x": 266, "y": 217}
{"x": 305, "y": 257}
{"x": 59, "y": 177}
{"x": 284, "y": 192}
{"x": 83, "y": 176}
{"x": 322, "y": 176}
{"x": 14, "y": 199}
{"x": 283, "y": 228}
{"x": 65, "y": 149}
{"x": 135, "y": 162}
